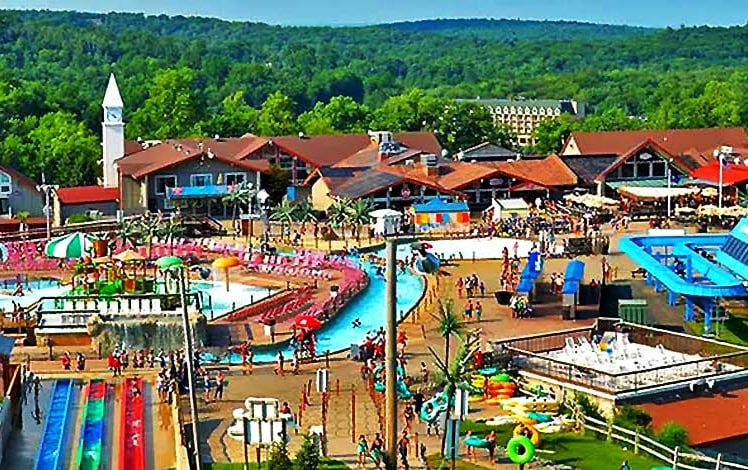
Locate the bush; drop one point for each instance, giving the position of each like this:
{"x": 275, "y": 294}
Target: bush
{"x": 588, "y": 407}
{"x": 307, "y": 458}
{"x": 279, "y": 459}
{"x": 673, "y": 435}
{"x": 78, "y": 219}
{"x": 630, "y": 417}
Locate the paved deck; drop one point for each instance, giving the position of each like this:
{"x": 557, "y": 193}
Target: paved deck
{"x": 708, "y": 419}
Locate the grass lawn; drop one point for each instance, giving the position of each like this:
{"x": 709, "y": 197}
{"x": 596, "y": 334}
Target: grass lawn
{"x": 583, "y": 451}
{"x": 327, "y": 464}
{"x": 734, "y": 330}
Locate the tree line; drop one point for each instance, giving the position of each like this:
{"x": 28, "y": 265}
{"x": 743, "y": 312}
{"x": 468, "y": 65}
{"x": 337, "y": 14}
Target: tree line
{"x": 195, "y": 76}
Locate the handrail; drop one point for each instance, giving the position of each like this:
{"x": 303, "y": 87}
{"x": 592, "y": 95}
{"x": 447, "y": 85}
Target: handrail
{"x": 675, "y": 457}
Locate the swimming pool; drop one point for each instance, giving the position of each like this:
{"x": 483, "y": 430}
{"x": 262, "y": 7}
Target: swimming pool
{"x": 216, "y": 301}
{"x": 469, "y": 248}
{"x": 368, "y": 307}
{"x": 34, "y": 290}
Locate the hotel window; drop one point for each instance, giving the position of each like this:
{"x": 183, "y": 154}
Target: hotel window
{"x": 202, "y": 179}
{"x": 235, "y": 178}
{"x": 164, "y": 181}
{"x": 5, "y": 184}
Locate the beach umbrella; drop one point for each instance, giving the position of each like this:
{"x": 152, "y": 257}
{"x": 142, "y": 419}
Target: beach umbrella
{"x": 167, "y": 262}
{"x": 307, "y": 321}
{"x": 226, "y": 263}
{"x": 128, "y": 256}
{"x": 72, "y": 245}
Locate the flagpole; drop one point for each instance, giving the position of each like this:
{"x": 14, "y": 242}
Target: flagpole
{"x": 669, "y": 178}
{"x": 720, "y": 181}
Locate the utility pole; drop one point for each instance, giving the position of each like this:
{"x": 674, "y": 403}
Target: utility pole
{"x": 390, "y": 357}
{"x": 190, "y": 366}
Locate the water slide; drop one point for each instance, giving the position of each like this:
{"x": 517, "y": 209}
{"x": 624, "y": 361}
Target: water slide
{"x": 48, "y": 456}
{"x": 132, "y": 448}
{"x": 92, "y": 431}
{"x": 720, "y": 283}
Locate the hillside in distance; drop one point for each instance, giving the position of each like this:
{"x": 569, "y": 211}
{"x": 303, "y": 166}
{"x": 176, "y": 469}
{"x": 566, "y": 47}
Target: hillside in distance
{"x": 516, "y": 29}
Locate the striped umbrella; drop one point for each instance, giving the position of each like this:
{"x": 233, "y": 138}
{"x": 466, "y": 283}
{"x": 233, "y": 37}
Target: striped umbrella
{"x": 72, "y": 245}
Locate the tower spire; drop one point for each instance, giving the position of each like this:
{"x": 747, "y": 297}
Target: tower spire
{"x": 112, "y": 98}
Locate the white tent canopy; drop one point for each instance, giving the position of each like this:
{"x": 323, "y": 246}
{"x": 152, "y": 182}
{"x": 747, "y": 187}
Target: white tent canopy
{"x": 501, "y": 208}
{"x": 655, "y": 193}
{"x": 386, "y": 221}
{"x": 591, "y": 200}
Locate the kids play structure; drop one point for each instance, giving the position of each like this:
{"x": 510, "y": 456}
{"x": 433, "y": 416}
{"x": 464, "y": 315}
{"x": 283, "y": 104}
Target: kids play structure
{"x": 702, "y": 269}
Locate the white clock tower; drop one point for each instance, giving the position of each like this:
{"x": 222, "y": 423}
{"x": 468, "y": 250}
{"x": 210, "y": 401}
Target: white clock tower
{"x": 113, "y": 133}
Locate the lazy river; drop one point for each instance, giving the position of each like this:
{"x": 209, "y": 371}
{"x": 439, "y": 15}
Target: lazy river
{"x": 367, "y": 306}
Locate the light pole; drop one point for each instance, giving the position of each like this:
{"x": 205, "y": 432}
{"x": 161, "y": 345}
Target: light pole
{"x": 390, "y": 358}
{"x": 189, "y": 353}
{"x": 47, "y": 190}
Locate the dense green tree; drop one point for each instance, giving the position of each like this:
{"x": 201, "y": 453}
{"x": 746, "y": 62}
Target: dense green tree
{"x": 171, "y": 109}
{"x": 234, "y": 119}
{"x": 463, "y": 124}
{"x": 340, "y": 115}
{"x": 551, "y": 134}
{"x": 277, "y": 116}
{"x": 307, "y": 458}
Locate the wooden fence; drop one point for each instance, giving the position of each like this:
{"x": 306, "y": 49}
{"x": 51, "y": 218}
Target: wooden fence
{"x": 676, "y": 458}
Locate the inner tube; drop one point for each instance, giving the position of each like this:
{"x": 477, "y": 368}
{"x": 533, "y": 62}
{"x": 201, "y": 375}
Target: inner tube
{"x": 534, "y": 437}
{"x": 501, "y": 378}
{"x": 520, "y": 450}
{"x": 540, "y": 417}
{"x": 487, "y": 371}
{"x": 475, "y": 441}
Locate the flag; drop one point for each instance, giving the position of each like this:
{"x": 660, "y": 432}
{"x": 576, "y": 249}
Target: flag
{"x": 675, "y": 178}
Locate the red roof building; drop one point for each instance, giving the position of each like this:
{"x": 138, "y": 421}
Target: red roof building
{"x": 87, "y": 194}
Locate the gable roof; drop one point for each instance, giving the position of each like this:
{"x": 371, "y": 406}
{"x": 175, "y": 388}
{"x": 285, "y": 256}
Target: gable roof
{"x": 87, "y": 194}
{"x": 18, "y": 177}
{"x": 329, "y": 149}
{"x": 588, "y": 167}
{"x": 487, "y": 150}
{"x": 675, "y": 141}
{"x": 550, "y": 171}
{"x": 169, "y": 153}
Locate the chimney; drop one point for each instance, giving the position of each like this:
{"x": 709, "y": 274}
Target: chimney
{"x": 430, "y": 165}
{"x": 380, "y": 137}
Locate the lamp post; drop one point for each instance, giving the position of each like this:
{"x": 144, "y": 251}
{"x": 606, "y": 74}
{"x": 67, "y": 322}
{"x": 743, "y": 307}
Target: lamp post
{"x": 190, "y": 356}
{"x": 47, "y": 190}
{"x": 391, "y": 354}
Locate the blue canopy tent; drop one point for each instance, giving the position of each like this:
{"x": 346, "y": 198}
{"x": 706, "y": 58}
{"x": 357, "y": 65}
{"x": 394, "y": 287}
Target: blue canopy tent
{"x": 530, "y": 274}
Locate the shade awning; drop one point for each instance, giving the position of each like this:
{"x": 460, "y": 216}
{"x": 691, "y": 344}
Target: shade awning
{"x": 731, "y": 173}
{"x": 186, "y": 192}
{"x": 638, "y": 192}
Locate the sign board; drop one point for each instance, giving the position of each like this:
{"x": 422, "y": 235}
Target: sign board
{"x": 264, "y": 432}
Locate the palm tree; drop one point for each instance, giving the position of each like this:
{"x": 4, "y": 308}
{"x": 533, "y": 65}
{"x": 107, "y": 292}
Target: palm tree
{"x": 284, "y": 212}
{"x": 449, "y": 324}
{"x": 149, "y": 224}
{"x": 170, "y": 229}
{"x": 339, "y": 212}
{"x": 129, "y": 232}
{"x": 359, "y": 215}
{"x": 454, "y": 373}
{"x": 239, "y": 197}
{"x": 303, "y": 212}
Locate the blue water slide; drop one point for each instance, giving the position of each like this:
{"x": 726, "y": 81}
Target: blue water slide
{"x": 721, "y": 283}
{"x": 573, "y": 277}
{"x": 48, "y": 456}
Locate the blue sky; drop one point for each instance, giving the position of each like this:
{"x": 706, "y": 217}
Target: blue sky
{"x": 337, "y": 12}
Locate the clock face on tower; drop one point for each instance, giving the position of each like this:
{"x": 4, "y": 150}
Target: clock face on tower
{"x": 113, "y": 115}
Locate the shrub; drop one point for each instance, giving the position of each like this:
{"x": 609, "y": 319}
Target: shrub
{"x": 307, "y": 458}
{"x": 630, "y": 417}
{"x": 673, "y": 435}
{"x": 78, "y": 218}
{"x": 279, "y": 459}
{"x": 588, "y": 407}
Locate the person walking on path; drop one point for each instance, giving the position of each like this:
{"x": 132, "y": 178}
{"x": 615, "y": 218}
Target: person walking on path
{"x": 279, "y": 364}
{"x": 220, "y": 379}
{"x": 362, "y": 450}
{"x": 403, "y": 445}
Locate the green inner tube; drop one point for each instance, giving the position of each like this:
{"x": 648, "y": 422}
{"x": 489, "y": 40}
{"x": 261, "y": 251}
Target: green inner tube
{"x": 520, "y": 450}
{"x": 501, "y": 378}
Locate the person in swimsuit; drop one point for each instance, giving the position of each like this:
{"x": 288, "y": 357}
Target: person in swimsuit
{"x": 362, "y": 449}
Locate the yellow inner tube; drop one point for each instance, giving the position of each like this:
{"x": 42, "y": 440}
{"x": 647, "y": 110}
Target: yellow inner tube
{"x": 534, "y": 434}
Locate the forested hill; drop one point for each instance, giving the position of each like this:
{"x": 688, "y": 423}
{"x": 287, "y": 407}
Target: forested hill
{"x": 186, "y": 76}
{"x": 514, "y": 30}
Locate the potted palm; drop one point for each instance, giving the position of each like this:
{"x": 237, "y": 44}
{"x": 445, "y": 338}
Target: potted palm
{"x": 101, "y": 244}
